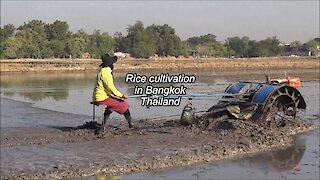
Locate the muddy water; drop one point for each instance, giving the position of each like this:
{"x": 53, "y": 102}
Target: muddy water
{"x": 298, "y": 161}
{"x": 58, "y": 101}
{"x": 71, "y": 93}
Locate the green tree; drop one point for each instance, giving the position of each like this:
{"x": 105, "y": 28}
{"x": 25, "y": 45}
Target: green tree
{"x": 119, "y": 42}
{"x": 238, "y": 46}
{"x": 28, "y": 47}
{"x": 269, "y": 47}
{"x": 313, "y": 46}
{"x": 59, "y": 39}
{"x": 99, "y": 44}
{"x": 77, "y": 44}
{"x": 34, "y": 41}
{"x": 5, "y": 32}
{"x": 207, "y": 45}
{"x": 47, "y": 52}
{"x": 165, "y": 39}
{"x": 253, "y": 48}
{"x": 139, "y": 42}
{"x": 12, "y": 46}
{"x": 218, "y": 50}
{"x": 34, "y": 26}
{"x": 58, "y": 48}
{"x": 59, "y": 30}
{"x": 204, "y": 39}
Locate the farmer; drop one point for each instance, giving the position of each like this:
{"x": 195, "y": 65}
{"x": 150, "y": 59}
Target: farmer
{"x": 105, "y": 93}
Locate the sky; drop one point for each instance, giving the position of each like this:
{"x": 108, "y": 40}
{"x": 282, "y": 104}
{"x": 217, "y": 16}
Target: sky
{"x": 287, "y": 20}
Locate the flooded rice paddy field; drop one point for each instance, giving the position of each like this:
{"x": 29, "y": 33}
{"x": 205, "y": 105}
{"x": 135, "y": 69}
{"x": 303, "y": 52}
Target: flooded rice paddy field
{"x": 297, "y": 161}
{"x": 40, "y": 137}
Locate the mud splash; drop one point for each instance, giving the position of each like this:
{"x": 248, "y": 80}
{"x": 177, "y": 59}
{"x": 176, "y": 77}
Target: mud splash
{"x": 43, "y": 144}
{"x": 153, "y": 144}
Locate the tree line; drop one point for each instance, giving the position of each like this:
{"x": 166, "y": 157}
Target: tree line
{"x": 37, "y": 39}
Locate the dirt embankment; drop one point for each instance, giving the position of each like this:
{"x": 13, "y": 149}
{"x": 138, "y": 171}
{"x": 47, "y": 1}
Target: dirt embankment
{"x": 34, "y": 65}
{"x": 154, "y": 145}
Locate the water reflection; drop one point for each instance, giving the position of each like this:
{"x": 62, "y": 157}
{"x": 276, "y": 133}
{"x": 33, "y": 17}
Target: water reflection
{"x": 39, "y": 96}
{"x": 268, "y": 165}
{"x": 72, "y": 92}
{"x": 37, "y": 87}
{"x": 279, "y": 160}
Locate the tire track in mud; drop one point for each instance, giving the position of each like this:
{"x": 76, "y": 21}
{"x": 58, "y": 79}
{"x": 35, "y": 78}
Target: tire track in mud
{"x": 154, "y": 144}
{"x": 18, "y": 136}
{"x": 160, "y": 144}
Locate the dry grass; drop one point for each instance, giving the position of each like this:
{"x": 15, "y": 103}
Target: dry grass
{"x": 38, "y": 65}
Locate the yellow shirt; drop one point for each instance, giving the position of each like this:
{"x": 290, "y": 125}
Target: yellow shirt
{"x": 104, "y": 86}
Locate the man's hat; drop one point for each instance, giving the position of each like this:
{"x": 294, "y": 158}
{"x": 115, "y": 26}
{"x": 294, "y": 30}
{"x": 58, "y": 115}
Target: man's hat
{"x": 108, "y": 60}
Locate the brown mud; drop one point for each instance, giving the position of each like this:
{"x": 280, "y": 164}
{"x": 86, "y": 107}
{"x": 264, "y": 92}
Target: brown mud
{"x": 67, "y": 151}
{"x": 153, "y": 144}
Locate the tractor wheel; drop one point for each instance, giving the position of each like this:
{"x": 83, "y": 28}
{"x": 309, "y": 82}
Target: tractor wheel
{"x": 281, "y": 108}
